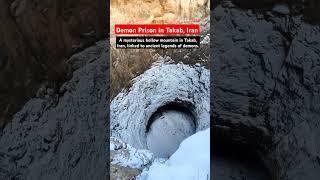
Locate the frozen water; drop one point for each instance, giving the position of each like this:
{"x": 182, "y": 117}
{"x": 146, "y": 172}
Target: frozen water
{"x": 168, "y": 130}
{"x": 190, "y": 162}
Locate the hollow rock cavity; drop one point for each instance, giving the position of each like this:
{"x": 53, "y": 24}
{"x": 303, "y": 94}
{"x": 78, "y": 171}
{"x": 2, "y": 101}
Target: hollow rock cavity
{"x": 168, "y": 130}
{"x": 165, "y": 105}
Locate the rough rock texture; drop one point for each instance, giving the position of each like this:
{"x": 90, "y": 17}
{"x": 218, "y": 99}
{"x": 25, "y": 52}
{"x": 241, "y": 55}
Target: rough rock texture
{"x": 157, "y": 11}
{"x": 127, "y": 162}
{"x": 174, "y": 85}
{"x": 36, "y": 39}
{"x": 265, "y": 87}
{"x": 63, "y": 135}
{"x": 308, "y": 8}
{"x": 265, "y": 95}
{"x": 234, "y": 169}
{"x": 123, "y": 173}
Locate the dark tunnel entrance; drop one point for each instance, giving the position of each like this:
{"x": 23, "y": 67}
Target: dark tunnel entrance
{"x": 168, "y": 127}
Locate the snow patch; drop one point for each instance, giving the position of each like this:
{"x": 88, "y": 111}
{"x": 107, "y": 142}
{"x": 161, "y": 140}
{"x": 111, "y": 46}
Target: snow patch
{"x": 190, "y": 162}
{"x": 127, "y": 156}
{"x": 206, "y": 39}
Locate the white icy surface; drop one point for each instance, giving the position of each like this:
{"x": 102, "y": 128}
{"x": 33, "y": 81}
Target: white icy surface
{"x": 206, "y": 39}
{"x": 127, "y": 156}
{"x": 168, "y": 130}
{"x": 190, "y": 162}
{"x": 161, "y": 84}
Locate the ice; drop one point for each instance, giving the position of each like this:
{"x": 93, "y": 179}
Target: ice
{"x": 190, "y": 162}
{"x": 127, "y": 156}
{"x": 168, "y": 130}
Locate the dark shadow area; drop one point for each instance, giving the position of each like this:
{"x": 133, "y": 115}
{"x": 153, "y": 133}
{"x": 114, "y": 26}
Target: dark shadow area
{"x": 177, "y": 106}
{"x": 232, "y": 160}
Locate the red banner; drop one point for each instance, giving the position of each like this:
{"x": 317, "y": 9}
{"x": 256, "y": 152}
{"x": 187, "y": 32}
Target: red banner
{"x": 153, "y": 29}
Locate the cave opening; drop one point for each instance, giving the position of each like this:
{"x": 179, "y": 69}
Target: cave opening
{"x": 168, "y": 127}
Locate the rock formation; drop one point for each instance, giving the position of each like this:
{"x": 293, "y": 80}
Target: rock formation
{"x": 264, "y": 90}
{"x": 162, "y": 88}
{"x": 36, "y": 40}
{"x": 265, "y": 87}
{"x": 158, "y": 11}
{"x": 62, "y": 135}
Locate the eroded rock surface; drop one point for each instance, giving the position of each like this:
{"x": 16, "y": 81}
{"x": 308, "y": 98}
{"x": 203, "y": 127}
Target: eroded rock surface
{"x": 265, "y": 96}
{"x": 127, "y": 162}
{"x": 265, "y": 86}
{"x": 62, "y": 135}
{"x": 233, "y": 169}
{"x": 36, "y": 40}
{"x": 174, "y": 85}
{"x": 158, "y": 11}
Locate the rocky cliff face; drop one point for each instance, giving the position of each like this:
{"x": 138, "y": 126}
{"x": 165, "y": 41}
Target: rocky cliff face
{"x": 264, "y": 94}
{"x": 158, "y": 11}
{"x": 36, "y": 39}
{"x": 307, "y": 8}
{"x": 62, "y": 135}
{"x": 265, "y": 86}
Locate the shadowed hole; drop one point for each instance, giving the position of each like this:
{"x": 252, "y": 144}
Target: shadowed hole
{"x": 168, "y": 127}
